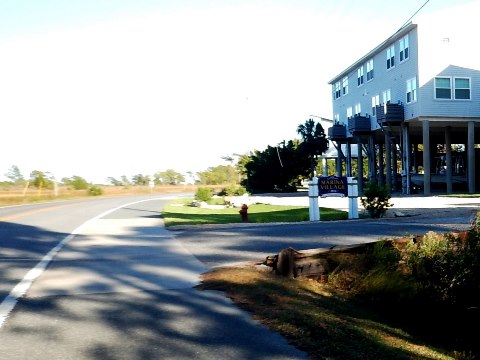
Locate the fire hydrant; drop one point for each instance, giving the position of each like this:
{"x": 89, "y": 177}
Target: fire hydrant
{"x": 244, "y": 213}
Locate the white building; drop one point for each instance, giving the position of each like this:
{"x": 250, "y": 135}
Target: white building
{"x": 421, "y": 86}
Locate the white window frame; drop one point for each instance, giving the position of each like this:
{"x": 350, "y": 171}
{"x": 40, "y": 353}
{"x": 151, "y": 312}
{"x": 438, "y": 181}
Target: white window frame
{"x": 360, "y": 79}
{"x": 411, "y": 95}
{"x": 375, "y": 103}
{"x": 391, "y": 57}
{"x": 358, "y": 109}
{"x": 454, "y": 93}
{"x": 337, "y": 90}
{"x": 386, "y": 96}
{"x": 444, "y": 88}
{"x": 404, "y": 45}
{"x": 336, "y": 118}
{"x": 349, "y": 112}
{"x": 369, "y": 70}
{"x": 345, "y": 85}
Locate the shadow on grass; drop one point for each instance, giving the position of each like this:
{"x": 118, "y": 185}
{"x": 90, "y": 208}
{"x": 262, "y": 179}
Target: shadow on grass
{"x": 335, "y": 327}
{"x": 257, "y": 214}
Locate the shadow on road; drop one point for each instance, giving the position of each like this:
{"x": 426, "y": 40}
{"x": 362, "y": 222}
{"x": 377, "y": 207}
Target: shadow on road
{"x": 126, "y": 295}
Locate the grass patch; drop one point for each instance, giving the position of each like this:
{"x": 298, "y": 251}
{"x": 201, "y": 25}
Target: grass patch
{"x": 461, "y": 195}
{"x": 329, "y": 324}
{"x": 180, "y": 214}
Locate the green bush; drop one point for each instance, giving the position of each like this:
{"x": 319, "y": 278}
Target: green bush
{"x": 203, "y": 194}
{"x": 95, "y": 190}
{"x": 233, "y": 190}
{"x": 447, "y": 267}
{"x": 384, "y": 255}
{"x": 375, "y": 199}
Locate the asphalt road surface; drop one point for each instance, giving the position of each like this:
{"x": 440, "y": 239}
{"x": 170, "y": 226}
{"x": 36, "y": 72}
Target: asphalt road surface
{"x": 224, "y": 245}
{"x": 118, "y": 286}
{"x": 103, "y": 279}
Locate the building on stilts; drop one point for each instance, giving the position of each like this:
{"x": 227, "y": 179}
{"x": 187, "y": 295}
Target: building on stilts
{"x": 411, "y": 107}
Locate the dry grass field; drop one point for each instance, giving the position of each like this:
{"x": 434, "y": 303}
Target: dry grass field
{"x": 11, "y": 195}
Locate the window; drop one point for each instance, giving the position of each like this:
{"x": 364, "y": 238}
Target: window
{"x": 360, "y": 76}
{"x": 337, "y": 90}
{"x": 345, "y": 85}
{"x": 375, "y": 103}
{"x": 412, "y": 90}
{"x": 358, "y": 109}
{"x": 369, "y": 69}
{"x": 462, "y": 88}
{"x": 386, "y": 97}
{"x": 443, "y": 88}
{"x": 391, "y": 57}
{"x": 404, "y": 48}
{"x": 349, "y": 112}
{"x": 336, "y": 118}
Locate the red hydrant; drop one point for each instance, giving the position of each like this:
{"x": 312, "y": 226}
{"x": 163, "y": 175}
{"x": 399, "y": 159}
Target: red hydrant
{"x": 244, "y": 213}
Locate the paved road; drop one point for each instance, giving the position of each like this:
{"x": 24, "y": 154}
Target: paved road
{"x": 221, "y": 245}
{"x": 121, "y": 288}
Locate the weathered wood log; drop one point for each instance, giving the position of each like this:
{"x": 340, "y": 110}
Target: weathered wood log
{"x": 316, "y": 263}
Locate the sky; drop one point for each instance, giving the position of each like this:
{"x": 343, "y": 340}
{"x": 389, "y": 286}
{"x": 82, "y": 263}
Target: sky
{"x": 103, "y": 88}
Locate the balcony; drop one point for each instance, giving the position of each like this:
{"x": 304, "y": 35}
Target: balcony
{"x": 390, "y": 114}
{"x": 337, "y": 132}
{"x": 358, "y": 125}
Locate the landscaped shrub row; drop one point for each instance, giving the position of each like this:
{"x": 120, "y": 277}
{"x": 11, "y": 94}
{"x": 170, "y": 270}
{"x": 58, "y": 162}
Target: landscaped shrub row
{"x": 440, "y": 268}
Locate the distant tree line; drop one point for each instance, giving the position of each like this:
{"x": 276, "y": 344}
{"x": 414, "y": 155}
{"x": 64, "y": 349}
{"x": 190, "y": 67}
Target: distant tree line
{"x": 276, "y": 169}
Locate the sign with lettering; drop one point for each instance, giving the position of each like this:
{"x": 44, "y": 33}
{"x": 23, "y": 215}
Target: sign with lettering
{"x": 332, "y": 186}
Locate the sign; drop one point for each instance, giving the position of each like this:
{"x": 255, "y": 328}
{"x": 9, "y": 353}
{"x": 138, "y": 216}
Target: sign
{"x": 332, "y": 186}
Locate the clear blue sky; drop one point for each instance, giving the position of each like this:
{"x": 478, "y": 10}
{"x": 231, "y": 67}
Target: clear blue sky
{"x": 100, "y": 88}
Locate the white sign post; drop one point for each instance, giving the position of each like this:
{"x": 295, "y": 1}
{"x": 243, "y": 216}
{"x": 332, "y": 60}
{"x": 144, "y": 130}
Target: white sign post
{"x": 313, "y": 210}
{"x": 352, "y": 198}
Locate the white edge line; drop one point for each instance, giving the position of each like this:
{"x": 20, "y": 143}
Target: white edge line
{"x": 9, "y": 303}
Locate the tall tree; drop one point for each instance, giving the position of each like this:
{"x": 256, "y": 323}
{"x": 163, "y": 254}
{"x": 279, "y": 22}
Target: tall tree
{"x": 15, "y": 175}
{"x": 276, "y": 169}
{"x": 114, "y": 181}
{"x": 222, "y": 174}
{"x": 140, "y": 179}
{"x": 314, "y": 141}
{"x": 76, "y": 182}
{"x": 41, "y": 180}
{"x": 170, "y": 177}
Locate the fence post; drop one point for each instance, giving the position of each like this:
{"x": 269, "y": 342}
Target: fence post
{"x": 313, "y": 210}
{"x": 352, "y": 198}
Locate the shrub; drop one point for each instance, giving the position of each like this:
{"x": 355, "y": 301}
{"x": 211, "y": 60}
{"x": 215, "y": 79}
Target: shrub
{"x": 233, "y": 190}
{"x": 203, "y": 194}
{"x": 95, "y": 190}
{"x": 447, "y": 267}
{"x": 384, "y": 255}
{"x": 376, "y": 199}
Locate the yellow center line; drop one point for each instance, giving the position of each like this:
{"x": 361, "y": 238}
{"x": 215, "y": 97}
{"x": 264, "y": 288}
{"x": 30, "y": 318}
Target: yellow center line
{"x": 31, "y": 212}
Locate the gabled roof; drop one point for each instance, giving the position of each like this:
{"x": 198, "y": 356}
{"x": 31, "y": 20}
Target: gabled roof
{"x": 399, "y": 34}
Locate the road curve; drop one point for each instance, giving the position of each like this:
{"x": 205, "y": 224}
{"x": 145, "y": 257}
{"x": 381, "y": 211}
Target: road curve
{"x": 120, "y": 287}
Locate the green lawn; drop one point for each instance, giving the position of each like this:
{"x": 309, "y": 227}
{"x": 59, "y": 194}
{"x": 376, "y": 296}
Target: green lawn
{"x": 181, "y": 214}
